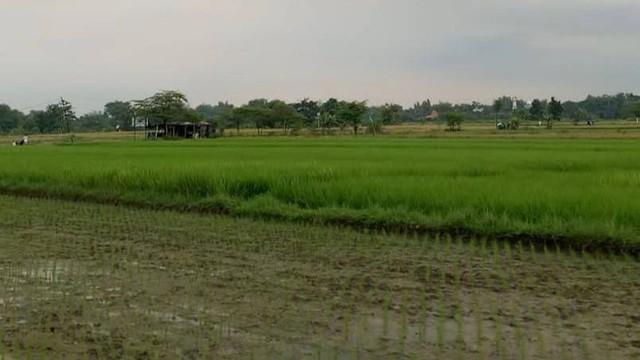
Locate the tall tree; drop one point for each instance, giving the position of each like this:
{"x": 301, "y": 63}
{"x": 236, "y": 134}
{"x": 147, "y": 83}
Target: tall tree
{"x": 555, "y": 112}
{"x": 94, "y": 121}
{"x": 580, "y": 115}
{"x": 67, "y": 118}
{"x": 120, "y": 113}
{"x": 220, "y": 115}
{"x": 256, "y": 111}
{"x": 537, "y": 109}
{"x": 634, "y": 109}
{"x": 162, "y": 107}
{"x": 59, "y": 117}
{"x": 328, "y": 117}
{"x": 309, "y": 109}
{"x": 454, "y": 121}
{"x": 9, "y": 118}
{"x": 285, "y": 115}
{"x": 351, "y": 113}
{"x": 389, "y": 113}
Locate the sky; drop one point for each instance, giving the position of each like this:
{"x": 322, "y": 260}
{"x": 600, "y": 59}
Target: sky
{"x": 94, "y": 51}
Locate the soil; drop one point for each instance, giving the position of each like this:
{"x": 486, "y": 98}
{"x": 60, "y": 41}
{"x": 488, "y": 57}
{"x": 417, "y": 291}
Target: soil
{"x": 82, "y": 281}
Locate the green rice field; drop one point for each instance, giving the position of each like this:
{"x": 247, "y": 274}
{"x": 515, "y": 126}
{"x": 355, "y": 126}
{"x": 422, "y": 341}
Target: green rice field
{"x": 580, "y": 192}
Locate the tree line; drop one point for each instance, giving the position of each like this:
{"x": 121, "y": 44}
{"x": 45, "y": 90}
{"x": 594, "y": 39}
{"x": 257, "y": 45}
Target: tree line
{"x": 322, "y": 116}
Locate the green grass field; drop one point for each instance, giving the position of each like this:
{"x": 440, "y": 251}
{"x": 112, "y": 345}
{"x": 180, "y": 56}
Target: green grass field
{"x": 579, "y": 191}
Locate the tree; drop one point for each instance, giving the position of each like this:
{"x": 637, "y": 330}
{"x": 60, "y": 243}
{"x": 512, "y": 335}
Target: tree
{"x": 59, "y": 117}
{"x": 328, "y": 116}
{"x": 94, "y": 121}
{"x": 443, "y": 107}
{"x": 119, "y": 113}
{"x": 351, "y": 113}
{"x": 581, "y": 115}
{"x": 162, "y": 107}
{"x": 285, "y": 115}
{"x": 221, "y": 115}
{"x": 256, "y": 111}
{"x": 309, "y": 109}
{"x": 389, "y": 113}
{"x": 537, "y": 110}
{"x": 9, "y": 118}
{"x": 634, "y": 109}
{"x": 67, "y": 118}
{"x": 420, "y": 110}
{"x": 454, "y": 121}
{"x": 555, "y": 112}
{"x": 28, "y": 124}
{"x": 497, "y": 107}
{"x": 45, "y": 121}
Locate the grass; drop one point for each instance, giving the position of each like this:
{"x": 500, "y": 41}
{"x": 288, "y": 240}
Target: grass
{"x": 86, "y": 281}
{"x": 580, "y": 191}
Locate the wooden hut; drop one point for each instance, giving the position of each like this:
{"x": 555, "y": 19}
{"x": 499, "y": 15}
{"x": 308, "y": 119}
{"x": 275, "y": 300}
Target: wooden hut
{"x": 176, "y": 130}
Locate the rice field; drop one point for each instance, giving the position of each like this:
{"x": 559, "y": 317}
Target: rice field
{"x": 90, "y": 281}
{"x": 578, "y": 192}
{"x": 321, "y": 248}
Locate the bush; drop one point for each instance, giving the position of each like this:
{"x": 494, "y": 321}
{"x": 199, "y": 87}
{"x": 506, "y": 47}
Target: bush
{"x": 454, "y": 120}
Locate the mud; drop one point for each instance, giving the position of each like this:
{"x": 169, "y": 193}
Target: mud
{"x": 84, "y": 281}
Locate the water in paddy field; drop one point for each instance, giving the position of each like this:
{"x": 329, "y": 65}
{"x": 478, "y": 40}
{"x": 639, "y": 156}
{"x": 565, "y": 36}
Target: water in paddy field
{"x": 215, "y": 287}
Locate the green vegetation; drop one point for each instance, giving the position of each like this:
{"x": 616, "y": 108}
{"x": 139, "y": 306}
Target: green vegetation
{"x": 582, "y": 192}
{"x": 85, "y": 281}
{"x": 314, "y": 115}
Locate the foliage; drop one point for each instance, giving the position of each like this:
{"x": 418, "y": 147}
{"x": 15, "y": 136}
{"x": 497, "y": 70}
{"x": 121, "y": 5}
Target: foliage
{"x": 351, "y": 113}
{"x": 265, "y": 114}
{"x": 419, "y": 110}
{"x": 220, "y": 115}
{"x": 162, "y": 107}
{"x": 9, "y": 118}
{"x": 59, "y": 117}
{"x": 454, "y": 121}
{"x": 286, "y": 116}
{"x": 555, "y": 109}
{"x": 310, "y": 111}
{"x": 538, "y": 110}
{"x": 120, "y": 113}
{"x": 374, "y": 127}
{"x": 634, "y": 108}
{"x": 95, "y": 121}
{"x": 172, "y": 106}
{"x": 390, "y": 113}
{"x": 581, "y": 115}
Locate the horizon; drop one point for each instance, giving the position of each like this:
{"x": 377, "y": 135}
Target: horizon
{"x": 92, "y": 53}
{"x": 39, "y": 107}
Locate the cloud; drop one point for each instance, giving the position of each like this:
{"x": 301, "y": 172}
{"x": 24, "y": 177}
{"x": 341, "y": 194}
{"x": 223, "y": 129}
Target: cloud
{"x": 405, "y": 50}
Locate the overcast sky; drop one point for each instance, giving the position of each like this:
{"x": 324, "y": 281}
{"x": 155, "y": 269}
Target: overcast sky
{"x": 95, "y": 51}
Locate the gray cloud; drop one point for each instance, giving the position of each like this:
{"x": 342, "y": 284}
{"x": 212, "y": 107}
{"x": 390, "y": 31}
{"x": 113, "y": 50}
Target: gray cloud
{"x": 93, "y": 51}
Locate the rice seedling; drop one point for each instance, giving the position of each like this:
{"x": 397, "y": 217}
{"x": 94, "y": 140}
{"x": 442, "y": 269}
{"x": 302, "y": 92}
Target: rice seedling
{"x": 81, "y": 280}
